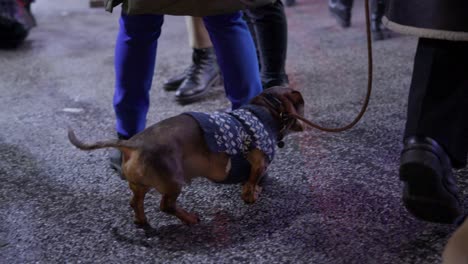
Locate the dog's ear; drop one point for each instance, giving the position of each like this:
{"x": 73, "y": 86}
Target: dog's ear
{"x": 297, "y": 97}
{"x": 297, "y": 100}
{"x": 293, "y": 102}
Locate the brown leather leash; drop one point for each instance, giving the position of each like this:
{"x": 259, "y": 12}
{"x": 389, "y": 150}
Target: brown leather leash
{"x": 369, "y": 86}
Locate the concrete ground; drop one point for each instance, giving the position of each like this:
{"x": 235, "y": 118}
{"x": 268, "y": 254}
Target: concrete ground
{"x": 330, "y": 198}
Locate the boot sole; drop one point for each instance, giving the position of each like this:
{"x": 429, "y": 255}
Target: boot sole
{"x": 192, "y": 98}
{"x": 171, "y": 87}
{"x": 426, "y": 194}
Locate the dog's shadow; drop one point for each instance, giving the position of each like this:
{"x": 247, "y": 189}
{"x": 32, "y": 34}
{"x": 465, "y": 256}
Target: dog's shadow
{"x": 223, "y": 229}
{"x": 300, "y": 213}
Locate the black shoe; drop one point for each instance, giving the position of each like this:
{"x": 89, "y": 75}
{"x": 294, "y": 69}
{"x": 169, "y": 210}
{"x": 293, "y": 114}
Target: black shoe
{"x": 174, "y": 83}
{"x": 202, "y": 74}
{"x": 115, "y": 159}
{"x": 341, "y": 11}
{"x": 430, "y": 190}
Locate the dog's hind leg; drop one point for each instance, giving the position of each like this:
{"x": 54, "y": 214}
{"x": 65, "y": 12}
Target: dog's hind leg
{"x": 169, "y": 205}
{"x": 137, "y": 203}
{"x": 251, "y": 190}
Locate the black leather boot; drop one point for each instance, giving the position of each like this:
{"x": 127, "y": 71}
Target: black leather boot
{"x": 174, "y": 82}
{"x": 341, "y": 10}
{"x": 269, "y": 27}
{"x": 430, "y": 189}
{"x": 379, "y": 32}
{"x": 202, "y": 74}
{"x": 115, "y": 159}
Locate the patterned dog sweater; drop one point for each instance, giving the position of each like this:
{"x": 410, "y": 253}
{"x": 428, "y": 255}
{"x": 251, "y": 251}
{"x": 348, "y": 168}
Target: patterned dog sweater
{"x": 238, "y": 132}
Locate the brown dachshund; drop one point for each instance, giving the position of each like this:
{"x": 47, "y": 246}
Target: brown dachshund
{"x": 233, "y": 147}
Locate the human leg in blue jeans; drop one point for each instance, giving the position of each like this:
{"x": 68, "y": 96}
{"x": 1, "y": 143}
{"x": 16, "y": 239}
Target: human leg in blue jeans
{"x": 236, "y": 55}
{"x": 135, "y": 58}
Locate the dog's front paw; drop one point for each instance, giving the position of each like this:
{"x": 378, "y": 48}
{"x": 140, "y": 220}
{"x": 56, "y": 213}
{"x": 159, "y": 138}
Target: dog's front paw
{"x": 143, "y": 224}
{"x": 250, "y": 193}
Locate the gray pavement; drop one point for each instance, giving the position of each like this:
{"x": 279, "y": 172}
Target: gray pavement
{"x": 330, "y": 198}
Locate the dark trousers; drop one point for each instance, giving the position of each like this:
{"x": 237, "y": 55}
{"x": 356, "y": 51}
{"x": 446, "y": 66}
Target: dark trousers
{"x": 135, "y": 60}
{"x": 269, "y": 28}
{"x": 438, "y": 98}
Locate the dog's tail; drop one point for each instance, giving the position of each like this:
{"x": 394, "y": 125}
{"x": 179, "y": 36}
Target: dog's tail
{"x": 112, "y": 143}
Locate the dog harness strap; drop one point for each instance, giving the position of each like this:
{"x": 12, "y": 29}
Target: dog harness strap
{"x": 285, "y": 119}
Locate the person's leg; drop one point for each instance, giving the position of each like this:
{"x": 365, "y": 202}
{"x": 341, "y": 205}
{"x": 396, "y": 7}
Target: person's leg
{"x": 237, "y": 58}
{"x": 135, "y": 58}
{"x": 203, "y": 72}
{"x": 438, "y": 98}
{"x": 174, "y": 82}
{"x": 270, "y": 29}
{"x": 198, "y": 35}
{"x": 341, "y": 10}
{"x": 198, "y": 39}
{"x": 379, "y": 32}
{"x": 436, "y": 133}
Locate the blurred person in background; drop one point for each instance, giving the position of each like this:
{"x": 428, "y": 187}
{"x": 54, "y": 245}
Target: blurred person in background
{"x": 341, "y": 10}
{"x": 16, "y": 20}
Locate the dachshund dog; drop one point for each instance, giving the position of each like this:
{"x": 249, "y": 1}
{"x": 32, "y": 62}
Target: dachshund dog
{"x": 232, "y": 147}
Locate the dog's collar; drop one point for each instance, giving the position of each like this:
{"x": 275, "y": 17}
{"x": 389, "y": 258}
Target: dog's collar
{"x": 285, "y": 118}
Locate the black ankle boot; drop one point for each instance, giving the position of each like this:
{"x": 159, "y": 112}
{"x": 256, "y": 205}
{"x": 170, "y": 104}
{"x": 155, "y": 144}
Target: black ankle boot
{"x": 430, "y": 189}
{"x": 202, "y": 74}
{"x": 115, "y": 159}
{"x": 379, "y": 32}
{"x": 174, "y": 82}
{"x": 341, "y": 10}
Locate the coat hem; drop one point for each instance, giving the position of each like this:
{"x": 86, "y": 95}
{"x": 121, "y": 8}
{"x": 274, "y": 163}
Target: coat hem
{"x": 425, "y": 32}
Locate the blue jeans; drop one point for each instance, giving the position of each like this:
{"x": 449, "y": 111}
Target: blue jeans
{"x": 135, "y": 59}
